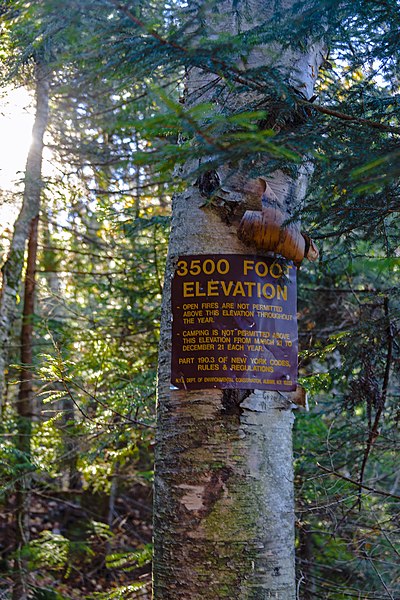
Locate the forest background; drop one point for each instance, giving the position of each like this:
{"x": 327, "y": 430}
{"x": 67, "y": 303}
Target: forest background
{"x": 79, "y": 365}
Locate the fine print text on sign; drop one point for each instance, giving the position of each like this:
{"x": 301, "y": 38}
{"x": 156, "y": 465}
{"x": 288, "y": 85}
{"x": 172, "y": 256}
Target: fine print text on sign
{"x": 234, "y": 323}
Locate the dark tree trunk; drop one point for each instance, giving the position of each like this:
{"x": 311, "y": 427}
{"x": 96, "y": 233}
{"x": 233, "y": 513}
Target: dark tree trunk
{"x": 25, "y": 412}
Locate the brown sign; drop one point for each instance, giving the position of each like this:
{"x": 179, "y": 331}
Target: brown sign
{"x": 234, "y": 323}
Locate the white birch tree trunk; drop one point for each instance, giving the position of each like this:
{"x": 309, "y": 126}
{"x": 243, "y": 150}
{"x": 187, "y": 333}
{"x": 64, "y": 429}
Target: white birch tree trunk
{"x": 224, "y": 509}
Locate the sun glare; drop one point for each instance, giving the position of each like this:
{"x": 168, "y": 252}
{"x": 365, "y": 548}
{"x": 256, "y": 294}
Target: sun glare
{"x": 16, "y": 121}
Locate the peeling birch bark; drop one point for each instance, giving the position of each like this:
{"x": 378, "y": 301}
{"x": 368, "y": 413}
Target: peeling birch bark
{"x": 224, "y": 508}
{"x": 12, "y": 268}
{"x": 224, "y": 517}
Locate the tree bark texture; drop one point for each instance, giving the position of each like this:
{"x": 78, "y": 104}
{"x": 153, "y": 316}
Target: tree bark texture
{"x": 224, "y": 510}
{"x": 224, "y": 521}
{"x": 12, "y": 268}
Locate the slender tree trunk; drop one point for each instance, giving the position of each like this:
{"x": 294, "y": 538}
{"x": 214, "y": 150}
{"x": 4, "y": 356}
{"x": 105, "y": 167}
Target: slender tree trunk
{"x": 224, "y": 511}
{"x": 12, "y": 268}
{"x": 52, "y": 306}
{"x": 24, "y": 420}
{"x": 305, "y": 559}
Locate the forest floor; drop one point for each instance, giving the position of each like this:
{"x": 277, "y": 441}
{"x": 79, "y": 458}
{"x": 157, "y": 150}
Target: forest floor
{"x": 77, "y": 549}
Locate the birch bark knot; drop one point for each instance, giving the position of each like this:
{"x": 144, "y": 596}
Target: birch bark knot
{"x": 268, "y": 229}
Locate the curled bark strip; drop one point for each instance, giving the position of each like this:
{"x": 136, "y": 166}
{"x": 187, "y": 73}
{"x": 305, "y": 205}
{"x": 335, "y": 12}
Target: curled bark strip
{"x": 265, "y": 229}
{"x": 299, "y": 397}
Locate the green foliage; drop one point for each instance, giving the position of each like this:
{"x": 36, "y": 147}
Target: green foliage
{"x": 127, "y": 591}
{"x": 48, "y": 550}
{"x": 130, "y": 560}
{"x": 47, "y": 594}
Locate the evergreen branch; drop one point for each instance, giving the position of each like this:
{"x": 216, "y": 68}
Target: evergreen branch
{"x": 124, "y": 103}
{"x": 357, "y": 483}
{"x": 379, "y": 575}
{"x": 351, "y": 118}
{"x": 241, "y": 78}
{"x": 125, "y": 418}
{"x": 374, "y": 432}
{"x": 142, "y": 25}
{"x": 71, "y": 272}
{"x": 71, "y": 251}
